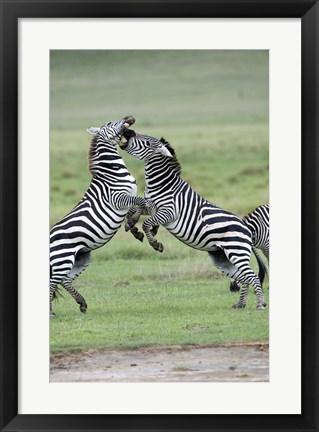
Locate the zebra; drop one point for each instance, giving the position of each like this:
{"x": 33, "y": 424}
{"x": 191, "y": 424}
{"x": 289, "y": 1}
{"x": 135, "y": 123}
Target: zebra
{"x": 99, "y": 214}
{"x": 258, "y": 223}
{"x": 192, "y": 219}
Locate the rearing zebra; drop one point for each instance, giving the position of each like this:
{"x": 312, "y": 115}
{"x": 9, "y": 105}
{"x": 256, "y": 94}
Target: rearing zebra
{"x": 99, "y": 214}
{"x": 258, "y": 223}
{"x": 189, "y": 217}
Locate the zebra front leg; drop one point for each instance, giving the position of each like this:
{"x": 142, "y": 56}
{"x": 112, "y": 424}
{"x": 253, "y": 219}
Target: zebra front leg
{"x": 154, "y": 230}
{"x": 121, "y": 200}
{"x": 129, "y": 226}
{"x": 150, "y": 227}
{"x": 137, "y": 234}
{"x": 132, "y": 218}
{"x": 137, "y": 207}
{"x": 152, "y": 240}
{"x": 134, "y": 215}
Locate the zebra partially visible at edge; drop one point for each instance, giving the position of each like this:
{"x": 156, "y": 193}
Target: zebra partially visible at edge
{"x": 99, "y": 214}
{"x": 189, "y": 217}
{"x": 258, "y": 223}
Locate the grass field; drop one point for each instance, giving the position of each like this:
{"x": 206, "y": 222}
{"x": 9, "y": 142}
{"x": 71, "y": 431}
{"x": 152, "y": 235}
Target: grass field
{"x": 213, "y": 108}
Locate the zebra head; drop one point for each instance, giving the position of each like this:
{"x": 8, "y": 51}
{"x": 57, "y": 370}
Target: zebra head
{"x": 103, "y": 151}
{"x": 111, "y": 132}
{"x": 144, "y": 147}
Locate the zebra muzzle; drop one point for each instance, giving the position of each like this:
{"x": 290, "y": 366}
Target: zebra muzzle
{"x": 128, "y": 121}
{"x": 127, "y": 134}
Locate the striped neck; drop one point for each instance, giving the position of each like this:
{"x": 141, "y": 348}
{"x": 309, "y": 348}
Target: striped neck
{"x": 161, "y": 172}
{"x": 104, "y": 160}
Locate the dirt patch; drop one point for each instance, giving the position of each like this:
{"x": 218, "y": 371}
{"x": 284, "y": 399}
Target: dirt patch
{"x": 230, "y": 363}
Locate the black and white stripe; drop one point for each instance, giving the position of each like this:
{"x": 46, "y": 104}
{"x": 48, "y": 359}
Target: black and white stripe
{"x": 99, "y": 214}
{"x": 258, "y": 223}
{"x": 189, "y": 217}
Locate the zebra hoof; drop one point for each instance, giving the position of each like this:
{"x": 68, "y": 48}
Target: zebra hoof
{"x": 52, "y": 315}
{"x": 159, "y": 247}
{"x": 140, "y": 236}
{"x": 137, "y": 234}
{"x": 261, "y": 307}
{"x": 83, "y": 308}
{"x": 238, "y": 306}
{"x": 127, "y": 227}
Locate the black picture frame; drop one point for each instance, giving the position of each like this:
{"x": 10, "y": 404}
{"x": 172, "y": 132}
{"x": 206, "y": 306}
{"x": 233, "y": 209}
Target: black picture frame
{"x": 11, "y": 11}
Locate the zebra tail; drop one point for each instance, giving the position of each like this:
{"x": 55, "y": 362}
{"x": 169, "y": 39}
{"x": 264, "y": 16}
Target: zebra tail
{"x": 262, "y": 267}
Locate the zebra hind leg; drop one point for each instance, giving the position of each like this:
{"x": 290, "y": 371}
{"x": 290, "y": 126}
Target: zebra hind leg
{"x": 67, "y": 284}
{"x": 221, "y": 261}
{"x": 55, "y": 280}
{"x": 261, "y": 266}
{"x": 242, "y": 298}
{"x": 247, "y": 277}
{"x": 53, "y": 289}
{"x": 81, "y": 263}
{"x": 243, "y": 274}
{"x": 234, "y": 286}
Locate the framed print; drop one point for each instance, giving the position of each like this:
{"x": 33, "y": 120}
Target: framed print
{"x": 49, "y": 50}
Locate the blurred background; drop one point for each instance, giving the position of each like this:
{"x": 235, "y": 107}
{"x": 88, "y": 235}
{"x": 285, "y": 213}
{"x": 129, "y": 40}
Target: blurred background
{"x": 212, "y": 106}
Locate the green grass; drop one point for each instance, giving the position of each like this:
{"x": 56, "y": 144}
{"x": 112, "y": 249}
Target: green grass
{"x": 137, "y": 298}
{"x": 213, "y": 108}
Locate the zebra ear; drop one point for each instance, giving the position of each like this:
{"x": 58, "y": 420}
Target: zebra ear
{"x": 93, "y": 130}
{"x": 164, "y": 151}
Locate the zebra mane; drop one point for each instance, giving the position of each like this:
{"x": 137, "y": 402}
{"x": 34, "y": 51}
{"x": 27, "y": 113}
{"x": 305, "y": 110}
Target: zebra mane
{"x": 93, "y": 154}
{"x": 254, "y": 213}
{"x": 175, "y": 165}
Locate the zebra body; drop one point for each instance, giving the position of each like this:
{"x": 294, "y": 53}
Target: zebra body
{"x": 191, "y": 218}
{"x": 258, "y": 223}
{"x": 98, "y": 216}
